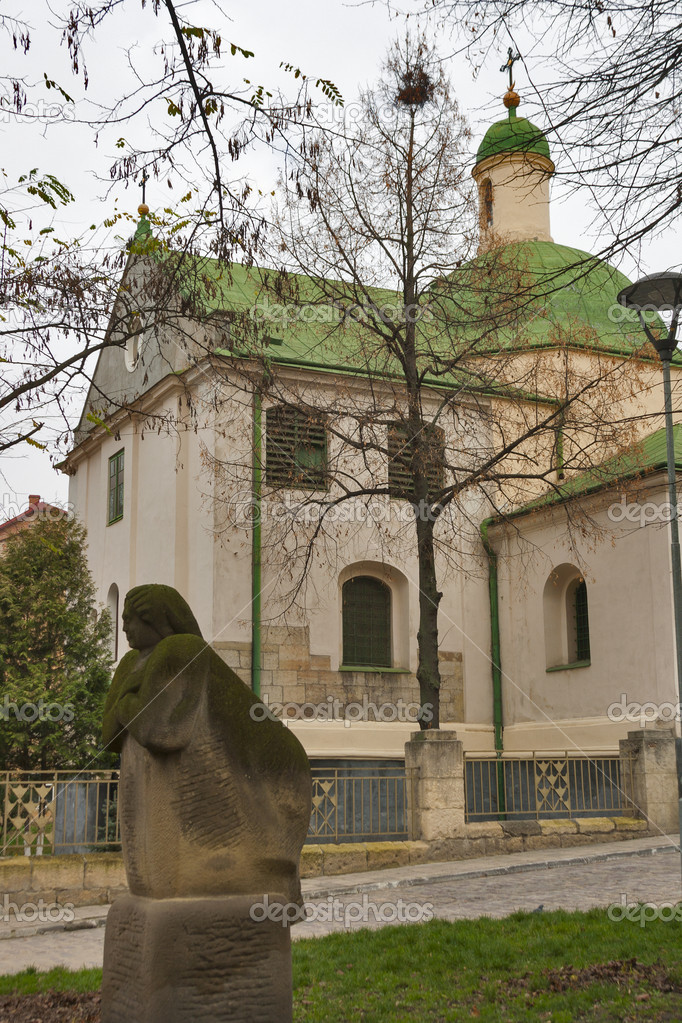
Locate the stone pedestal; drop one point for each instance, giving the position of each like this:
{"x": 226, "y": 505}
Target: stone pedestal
{"x": 200, "y": 959}
{"x": 434, "y": 762}
{"x": 649, "y": 776}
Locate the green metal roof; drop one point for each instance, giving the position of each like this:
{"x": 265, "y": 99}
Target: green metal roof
{"x": 318, "y": 336}
{"x": 567, "y": 297}
{"x": 512, "y": 135}
{"x": 143, "y": 232}
{"x": 642, "y": 459}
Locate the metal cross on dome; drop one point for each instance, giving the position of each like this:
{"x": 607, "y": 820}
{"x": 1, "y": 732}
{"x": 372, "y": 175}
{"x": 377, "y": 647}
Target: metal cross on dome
{"x": 508, "y": 66}
{"x": 145, "y": 179}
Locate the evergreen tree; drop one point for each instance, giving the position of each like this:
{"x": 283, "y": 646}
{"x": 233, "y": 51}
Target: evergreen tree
{"x": 55, "y": 659}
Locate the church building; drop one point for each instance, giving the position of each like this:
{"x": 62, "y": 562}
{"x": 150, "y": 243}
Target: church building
{"x": 557, "y": 608}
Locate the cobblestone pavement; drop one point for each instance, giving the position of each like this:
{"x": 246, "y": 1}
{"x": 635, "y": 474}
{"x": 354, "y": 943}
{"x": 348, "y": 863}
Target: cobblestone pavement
{"x": 570, "y": 879}
{"x": 580, "y": 886}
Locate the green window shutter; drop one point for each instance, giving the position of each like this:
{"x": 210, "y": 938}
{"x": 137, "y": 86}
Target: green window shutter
{"x": 366, "y": 621}
{"x": 399, "y": 460}
{"x": 582, "y": 623}
{"x": 295, "y": 449}
{"x": 399, "y": 472}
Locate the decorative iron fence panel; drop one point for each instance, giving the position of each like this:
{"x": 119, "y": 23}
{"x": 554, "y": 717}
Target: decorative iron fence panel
{"x": 46, "y": 812}
{"x": 353, "y": 804}
{"x": 545, "y": 786}
{"x": 59, "y": 812}
{"x": 71, "y": 811}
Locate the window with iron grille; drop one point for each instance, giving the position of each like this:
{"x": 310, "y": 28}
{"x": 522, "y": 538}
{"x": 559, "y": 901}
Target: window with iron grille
{"x": 400, "y": 482}
{"x": 295, "y": 449}
{"x": 115, "y": 487}
{"x": 582, "y": 624}
{"x": 366, "y": 622}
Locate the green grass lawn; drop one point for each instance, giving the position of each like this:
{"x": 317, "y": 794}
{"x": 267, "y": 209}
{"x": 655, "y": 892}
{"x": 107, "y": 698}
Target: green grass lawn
{"x": 547, "y": 966}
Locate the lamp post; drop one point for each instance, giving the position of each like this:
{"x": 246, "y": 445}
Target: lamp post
{"x": 659, "y": 293}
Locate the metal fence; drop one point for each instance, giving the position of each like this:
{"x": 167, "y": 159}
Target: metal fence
{"x": 59, "y": 812}
{"x": 77, "y": 812}
{"x": 546, "y": 785}
{"x": 353, "y": 804}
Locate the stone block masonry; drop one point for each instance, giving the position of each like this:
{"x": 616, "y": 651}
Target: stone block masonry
{"x": 291, "y": 674}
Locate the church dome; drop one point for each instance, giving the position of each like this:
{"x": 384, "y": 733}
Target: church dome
{"x": 512, "y": 135}
{"x": 566, "y": 296}
{"x": 575, "y": 289}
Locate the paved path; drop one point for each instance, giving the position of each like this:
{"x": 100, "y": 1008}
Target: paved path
{"x": 646, "y": 870}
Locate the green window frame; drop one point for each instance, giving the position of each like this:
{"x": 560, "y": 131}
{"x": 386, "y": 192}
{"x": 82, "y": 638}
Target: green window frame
{"x": 295, "y": 448}
{"x": 582, "y": 623}
{"x": 366, "y": 622}
{"x": 116, "y": 487}
{"x": 400, "y": 483}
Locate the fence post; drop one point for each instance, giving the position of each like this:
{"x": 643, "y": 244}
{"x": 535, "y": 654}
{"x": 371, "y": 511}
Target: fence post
{"x": 649, "y": 776}
{"x": 434, "y": 761}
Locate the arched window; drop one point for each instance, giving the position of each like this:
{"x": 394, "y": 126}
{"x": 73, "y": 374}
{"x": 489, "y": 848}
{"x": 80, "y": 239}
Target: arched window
{"x": 112, "y": 605}
{"x": 567, "y": 626}
{"x": 487, "y": 203}
{"x": 366, "y": 622}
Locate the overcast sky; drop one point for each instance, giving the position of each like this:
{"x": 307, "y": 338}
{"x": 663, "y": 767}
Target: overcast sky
{"x": 342, "y": 42}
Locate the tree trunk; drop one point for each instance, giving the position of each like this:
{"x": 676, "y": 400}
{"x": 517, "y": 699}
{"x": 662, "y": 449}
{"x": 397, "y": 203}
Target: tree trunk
{"x": 428, "y": 673}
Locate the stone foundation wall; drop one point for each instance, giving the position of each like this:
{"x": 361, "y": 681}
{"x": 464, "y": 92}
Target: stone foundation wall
{"x": 79, "y": 880}
{"x": 99, "y": 878}
{"x": 291, "y": 674}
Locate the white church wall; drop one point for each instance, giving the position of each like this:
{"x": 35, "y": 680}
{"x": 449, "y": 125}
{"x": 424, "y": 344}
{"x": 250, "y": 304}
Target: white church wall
{"x": 626, "y": 570}
{"x": 520, "y": 197}
{"x": 302, "y": 650}
{"x": 152, "y": 542}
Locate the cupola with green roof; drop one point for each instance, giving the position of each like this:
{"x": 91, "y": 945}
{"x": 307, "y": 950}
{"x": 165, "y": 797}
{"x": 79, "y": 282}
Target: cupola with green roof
{"x": 512, "y": 170}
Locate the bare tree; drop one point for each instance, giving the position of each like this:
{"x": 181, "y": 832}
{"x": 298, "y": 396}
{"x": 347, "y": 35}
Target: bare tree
{"x": 412, "y": 393}
{"x": 210, "y": 122}
{"x": 606, "y": 79}
{"x": 56, "y": 292}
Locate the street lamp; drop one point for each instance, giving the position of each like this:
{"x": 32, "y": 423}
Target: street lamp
{"x": 663, "y": 293}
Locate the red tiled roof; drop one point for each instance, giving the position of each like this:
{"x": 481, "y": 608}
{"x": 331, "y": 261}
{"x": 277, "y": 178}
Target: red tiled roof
{"x": 34, "y": 511}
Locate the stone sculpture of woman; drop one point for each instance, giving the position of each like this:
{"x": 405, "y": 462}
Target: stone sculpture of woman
{"x": 214, "y": 800}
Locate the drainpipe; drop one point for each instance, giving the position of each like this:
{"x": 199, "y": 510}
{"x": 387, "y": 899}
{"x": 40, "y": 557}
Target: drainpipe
{"x": 256, "y": 543}
{"x": 496, "y": 663}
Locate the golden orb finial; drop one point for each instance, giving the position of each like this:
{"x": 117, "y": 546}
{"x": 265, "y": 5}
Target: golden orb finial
{"x": 511, "y": 99}
{"x": 143, "y": 209}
